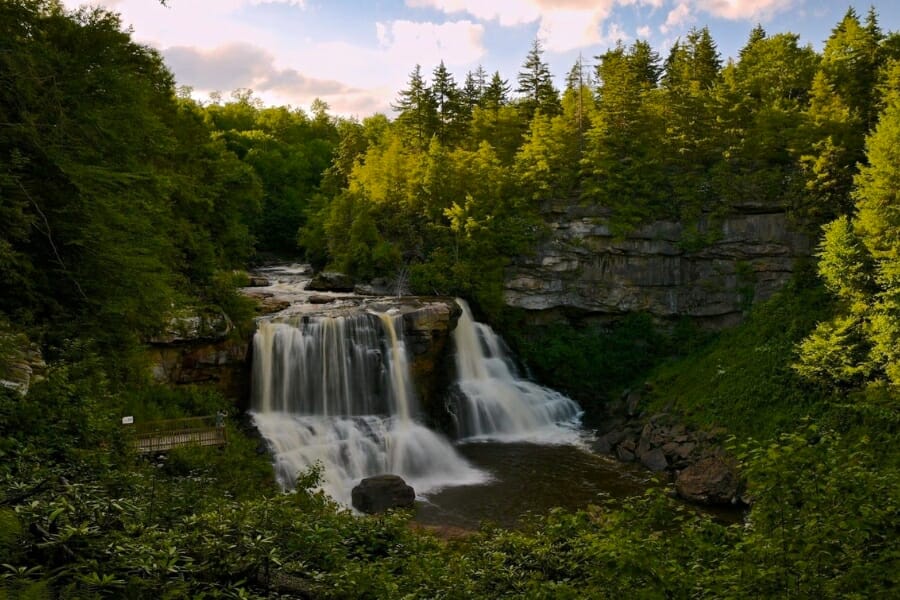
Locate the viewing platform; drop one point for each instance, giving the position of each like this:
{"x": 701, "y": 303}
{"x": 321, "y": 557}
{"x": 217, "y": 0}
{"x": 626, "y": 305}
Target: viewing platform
{"x": 162, "y": 436}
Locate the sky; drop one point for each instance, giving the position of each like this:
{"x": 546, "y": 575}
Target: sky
{"x": 357, "y": 56}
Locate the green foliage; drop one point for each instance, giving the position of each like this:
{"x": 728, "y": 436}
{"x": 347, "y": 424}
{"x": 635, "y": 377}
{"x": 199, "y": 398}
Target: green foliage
{"x": 742, "y": 379}
{"x": 824, "y": 515}
{"x": 536, "y": 85}
{"x": 594, "y": 363}
{"x": 860, "y": 262}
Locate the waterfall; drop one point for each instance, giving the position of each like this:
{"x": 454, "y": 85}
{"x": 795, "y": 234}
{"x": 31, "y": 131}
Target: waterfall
{"x": 336, "y": 390}
{"x": 496, "y": 403}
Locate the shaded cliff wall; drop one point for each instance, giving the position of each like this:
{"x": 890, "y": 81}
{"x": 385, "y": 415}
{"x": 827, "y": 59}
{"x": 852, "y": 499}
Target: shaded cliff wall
{"x": 582, "y": 267}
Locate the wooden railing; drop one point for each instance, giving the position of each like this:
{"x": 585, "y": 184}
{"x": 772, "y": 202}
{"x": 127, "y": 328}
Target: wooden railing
{"x": 162, "y": 436}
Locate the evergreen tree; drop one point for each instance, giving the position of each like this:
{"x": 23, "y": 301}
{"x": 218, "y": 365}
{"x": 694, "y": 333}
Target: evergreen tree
{"x": 757, "y": 34}
{"x": 851, "y": 60}
{"x": 860, "y": 262}
{"x": 474, "y": 88}
{"x": 622, "y": 161}
{"x": 693, "y": 62}
{"x": 536, "y": 85}
{"x": 448, "y": 105}
{"x": 496, "y": 94}
{"x": 418, "y": 114}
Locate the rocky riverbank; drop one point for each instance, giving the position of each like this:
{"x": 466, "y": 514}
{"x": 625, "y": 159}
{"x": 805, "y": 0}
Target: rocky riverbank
{"x": 694, "y": 460}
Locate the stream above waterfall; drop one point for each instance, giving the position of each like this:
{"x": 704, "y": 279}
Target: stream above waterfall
{"x": 333, "y": 386}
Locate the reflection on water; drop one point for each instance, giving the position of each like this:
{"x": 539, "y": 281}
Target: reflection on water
{"x": 529, "y": 478}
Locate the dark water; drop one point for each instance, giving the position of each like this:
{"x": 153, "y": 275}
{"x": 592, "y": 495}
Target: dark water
{"x": 530, "y": 478}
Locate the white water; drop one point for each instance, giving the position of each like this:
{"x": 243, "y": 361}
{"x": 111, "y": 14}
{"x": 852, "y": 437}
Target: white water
{"x": 498, "y": 404}
{"x": 336, "y": 390}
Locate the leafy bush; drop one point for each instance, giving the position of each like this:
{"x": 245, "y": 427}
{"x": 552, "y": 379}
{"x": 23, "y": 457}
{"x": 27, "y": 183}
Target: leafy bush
{"x": 594, "y": 363}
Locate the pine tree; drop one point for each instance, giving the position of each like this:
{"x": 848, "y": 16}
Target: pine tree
{"x": 418, "y": 114}
{"x": 860, "y": 262}
{"x": 622, "y": 159}
{"x": 447, "y": 103}
{"x": 496, "y": 94}
{"x": 757, "y": 34}
{"x": 851, "y": 60}
{"x": 694, "y": 61}
{"x": 536, "y": 85}
{"x": 474, "y": 87}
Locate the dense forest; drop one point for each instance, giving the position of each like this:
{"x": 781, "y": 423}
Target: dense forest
{"x": 124, "y": 203}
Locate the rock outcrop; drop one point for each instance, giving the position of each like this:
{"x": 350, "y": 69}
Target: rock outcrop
{"x": 331, "y": 281}
{"x": 710, "y": 481}
{"x": 377, "y": 494}
{"x": 191, "y": 327}
{"x": 201, "y": 349}
{"x": 584, "y": 267}
{"x": 694, "y": 460}
{"x": 428, "y": 331}
{"x": 21, "y": 362}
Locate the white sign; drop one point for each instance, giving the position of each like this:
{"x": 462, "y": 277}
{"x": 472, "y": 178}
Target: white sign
{"x": 127, "y": 420}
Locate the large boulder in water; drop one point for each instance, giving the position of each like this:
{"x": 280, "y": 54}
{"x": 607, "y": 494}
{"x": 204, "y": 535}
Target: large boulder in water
{"x": 330, "y": 281}
{"x": 382, "y": 492}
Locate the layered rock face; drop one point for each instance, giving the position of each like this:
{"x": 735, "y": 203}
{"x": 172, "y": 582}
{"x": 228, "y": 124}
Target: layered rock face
{"x": 201, "y": 349}
{"x": 428, "y": 332}
{"x": 584, "y": 267}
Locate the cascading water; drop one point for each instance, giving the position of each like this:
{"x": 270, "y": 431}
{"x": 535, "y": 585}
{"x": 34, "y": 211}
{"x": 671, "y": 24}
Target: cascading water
{"x": 498, "y": 404}
{"x": 336, "y": 390}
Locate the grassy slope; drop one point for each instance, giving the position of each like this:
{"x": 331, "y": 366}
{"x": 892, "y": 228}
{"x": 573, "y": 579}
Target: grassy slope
{"x": 742, "y": 379}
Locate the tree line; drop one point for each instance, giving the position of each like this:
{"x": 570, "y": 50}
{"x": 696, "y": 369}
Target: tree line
{"x": 453, "y": 188}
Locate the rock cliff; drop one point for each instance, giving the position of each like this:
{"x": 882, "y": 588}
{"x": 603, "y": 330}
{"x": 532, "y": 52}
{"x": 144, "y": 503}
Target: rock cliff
{"x": 428, "y": 331}
{"x": 201, "y": 349}
{"x": 584, "y": 267}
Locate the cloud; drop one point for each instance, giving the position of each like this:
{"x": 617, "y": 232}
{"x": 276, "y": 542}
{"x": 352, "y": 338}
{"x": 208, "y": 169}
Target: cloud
{"x": 223, "y": 68}
{"x": 614, "y": 33}
{"x": 297, "y": 3}
{"x": 744, "y": 9}
{"x": 643, "y": 31}
{"x": 507, "y": 12}
{"x": 677, "y": 17}
{"x": 563, "y": 30}
{"x": 293, "y": 83}
{"x": 455, "y": 42}
{"x": 563, "y": 24}
{"x": 241, "y": 65}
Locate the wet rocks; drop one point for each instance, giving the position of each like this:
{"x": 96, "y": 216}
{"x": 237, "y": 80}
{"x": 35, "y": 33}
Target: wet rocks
{"x": 331, "y": 281}
{"x": 655, "y": 460}
{"x": 694, "y": 459}
{"x": 377, "y": 287}
{"x": 654, "y": 444}
{"x": 377, "y": 494}
{"x": 258, "y": 281}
